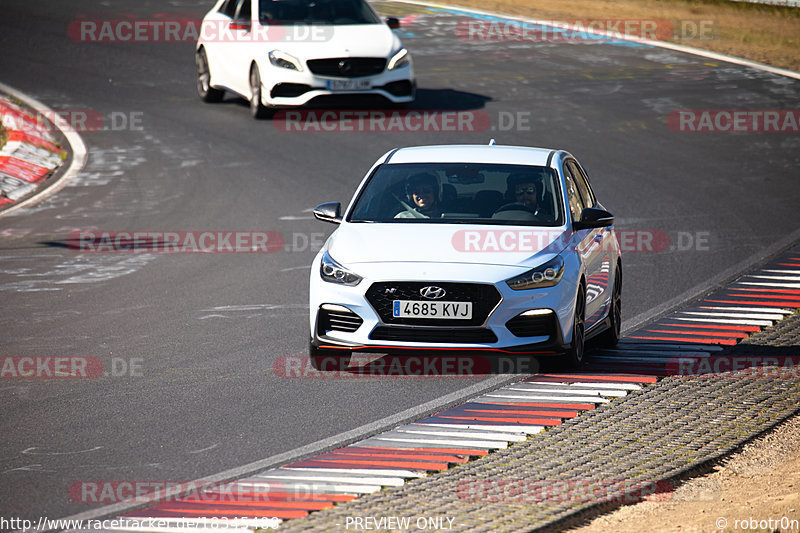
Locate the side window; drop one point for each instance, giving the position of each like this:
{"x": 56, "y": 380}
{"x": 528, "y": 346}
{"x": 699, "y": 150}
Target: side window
{"x": 582, "y": 183}
{"x": 244, "y": 12}
{"x": 228, "y": 8}
{"x": 573, "y": 196}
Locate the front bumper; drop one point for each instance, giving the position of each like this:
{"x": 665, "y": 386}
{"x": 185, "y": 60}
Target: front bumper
{"x": 536, "y": 321}
{"x": 289, "y": 88}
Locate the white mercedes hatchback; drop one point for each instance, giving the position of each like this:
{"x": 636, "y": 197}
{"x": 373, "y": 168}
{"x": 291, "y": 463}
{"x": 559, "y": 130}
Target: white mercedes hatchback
{"x": 473, "y": 248}
{"x": 285, "y": 53}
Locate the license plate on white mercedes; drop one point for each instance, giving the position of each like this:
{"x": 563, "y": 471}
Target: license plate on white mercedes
{"x": 348, "y": 85}
{"x": 446, "y": 310}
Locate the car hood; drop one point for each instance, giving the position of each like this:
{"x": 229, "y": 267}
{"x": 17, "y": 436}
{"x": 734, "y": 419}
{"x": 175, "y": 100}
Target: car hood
{"x": 522, "y": 246}
{"x": 354, "y": 40}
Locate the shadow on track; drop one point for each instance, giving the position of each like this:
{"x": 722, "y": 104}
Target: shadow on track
{"x": 427, "y": 100}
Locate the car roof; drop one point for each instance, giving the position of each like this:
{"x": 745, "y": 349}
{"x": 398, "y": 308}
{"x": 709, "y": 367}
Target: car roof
{"x": 471, "y": 153}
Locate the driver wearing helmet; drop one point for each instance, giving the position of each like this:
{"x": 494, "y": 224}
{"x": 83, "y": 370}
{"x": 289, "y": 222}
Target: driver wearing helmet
{"x": 524, "y": 190}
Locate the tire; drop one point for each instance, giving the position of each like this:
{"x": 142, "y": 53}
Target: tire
{"x": 257, "y": 109}
{"x": 574, "y": 355}
{"x": 326, "y": 360}
{"x": 610, "y": 337}
{"x": 204, "y": 89}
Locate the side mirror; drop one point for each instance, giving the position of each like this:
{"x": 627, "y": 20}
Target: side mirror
{"x": 393, "y": 22}
{"x": 592, "y": 217}
{"x": 330, "y": 212}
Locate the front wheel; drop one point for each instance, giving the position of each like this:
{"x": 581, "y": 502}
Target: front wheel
{"x": 610, "y": 337}
{"x": 574, "y": 355}
{"x": 257, "y": 109}
{"x": 204, "y": 89}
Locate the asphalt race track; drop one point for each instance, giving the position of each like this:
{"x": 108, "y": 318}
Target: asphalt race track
{"x": 204, "y": 331}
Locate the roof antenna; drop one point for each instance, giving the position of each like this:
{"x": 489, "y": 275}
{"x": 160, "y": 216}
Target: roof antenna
{"x": 491, "y": 142}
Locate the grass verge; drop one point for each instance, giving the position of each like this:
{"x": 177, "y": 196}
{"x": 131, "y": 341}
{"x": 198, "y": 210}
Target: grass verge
{"x": 758, "y": 32}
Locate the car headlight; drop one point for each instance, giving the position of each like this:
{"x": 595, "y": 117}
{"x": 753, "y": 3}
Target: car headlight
{"x": 546, "y": 275}
{"x": 333, "y": 272}
{"x": 284, "y": 60}
{"x": 400, "y": 59}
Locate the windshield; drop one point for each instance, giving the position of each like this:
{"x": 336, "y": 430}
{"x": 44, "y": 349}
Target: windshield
{"x": 473, "y": 193}
{"x": 316, "y": 12}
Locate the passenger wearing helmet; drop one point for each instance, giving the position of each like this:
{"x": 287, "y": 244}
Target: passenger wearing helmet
{"x": 523, "y": 194}
{"x": 423, "y": 194}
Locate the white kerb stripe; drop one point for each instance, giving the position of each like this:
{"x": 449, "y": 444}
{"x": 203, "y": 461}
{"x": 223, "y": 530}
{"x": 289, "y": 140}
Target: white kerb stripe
{"x": 456, "y": 443}
{"x": 464, "y": 424}
{"x": 300, "y": 486}
{"x": 779, "y": 278}
{"x": 545, "y": 397}
{"x": 727, "y": 321}
{"x": 388, "y": 472}
{"x": 767, "y": 284}
{"x": 454, "y": 432}
{"x": 644, "y": 344}
{"x": 529, "y": 430}
{"x": 321, "y": 475}
{"x": 777, "y": 310}
{"x": 754, "y": 316}
{"x": 597, "y": 392}
{"x": 625, "y": 386}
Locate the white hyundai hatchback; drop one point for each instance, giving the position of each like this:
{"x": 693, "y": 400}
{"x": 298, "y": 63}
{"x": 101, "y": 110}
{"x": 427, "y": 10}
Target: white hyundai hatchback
{"x": 493, "y": 248}
{"x": 285, "y": 53}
